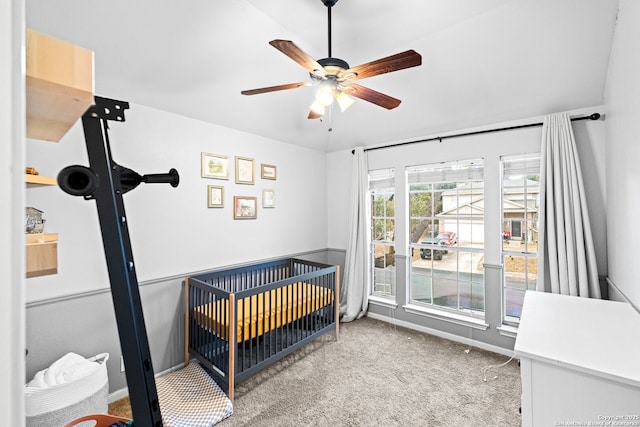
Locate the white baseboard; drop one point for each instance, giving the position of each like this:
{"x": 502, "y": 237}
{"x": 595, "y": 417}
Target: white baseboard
{"x": 124, "y": 392}
{"x": 445, "y": 335}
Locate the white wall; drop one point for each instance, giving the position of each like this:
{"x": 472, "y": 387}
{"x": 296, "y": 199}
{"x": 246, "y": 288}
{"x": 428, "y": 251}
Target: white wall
{"x": 622, "y": 100}
{"x": 172, "y": 230}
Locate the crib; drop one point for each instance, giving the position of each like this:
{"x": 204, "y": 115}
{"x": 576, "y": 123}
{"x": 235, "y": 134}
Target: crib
{"x": 239, "y": 321}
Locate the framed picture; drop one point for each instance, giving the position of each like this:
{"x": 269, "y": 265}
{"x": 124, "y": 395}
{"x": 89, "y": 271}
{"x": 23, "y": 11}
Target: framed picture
{"x": 244, "y": 170}
{"x": 215, "y": 166}
{"x": 268, "y": 171}
{"x": 268, "y": 198}
{"x": 215, "y": 196}
{"x": 245, "y": 207}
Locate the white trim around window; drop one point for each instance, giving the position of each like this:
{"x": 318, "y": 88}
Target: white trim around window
{"x": 447, "y": 316}
{"x": 383, "y": 302}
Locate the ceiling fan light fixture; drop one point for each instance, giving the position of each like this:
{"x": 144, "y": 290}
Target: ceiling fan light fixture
{"x": 325, "y": 94}
{"x": 344, "y": 101}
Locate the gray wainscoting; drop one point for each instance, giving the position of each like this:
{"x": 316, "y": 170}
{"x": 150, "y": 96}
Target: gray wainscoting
{"x": 488, "y": 334}
{"x": 85, "y": 324}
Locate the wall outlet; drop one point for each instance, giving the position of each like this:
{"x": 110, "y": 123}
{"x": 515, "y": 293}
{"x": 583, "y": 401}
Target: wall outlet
{"x": 121, "y": 363}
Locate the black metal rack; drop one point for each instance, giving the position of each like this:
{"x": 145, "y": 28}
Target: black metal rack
{"x": 105, "y": 182}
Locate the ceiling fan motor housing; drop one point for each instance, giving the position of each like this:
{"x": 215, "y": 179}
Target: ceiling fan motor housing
{"x": 331, "y": 68}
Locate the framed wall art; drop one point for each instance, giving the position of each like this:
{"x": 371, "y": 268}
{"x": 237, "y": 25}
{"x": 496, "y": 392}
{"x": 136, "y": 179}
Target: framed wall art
{"x": 244, "y": 170}
{"x": 268, "y": 171}
{"x": 215, "y": 196}
{"x": 268, "y": 198}
{"x": 215, "y": 166}
{"x": 245, "y": 207}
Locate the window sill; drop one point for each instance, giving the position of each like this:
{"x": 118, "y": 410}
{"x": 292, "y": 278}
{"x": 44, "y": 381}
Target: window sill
{"x": 458, "y": 319}
{"x": 508, "y": 331}
{"x": 384, "y": 302}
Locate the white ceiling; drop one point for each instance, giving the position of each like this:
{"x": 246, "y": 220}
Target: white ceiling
{"x": 483, "y": 61}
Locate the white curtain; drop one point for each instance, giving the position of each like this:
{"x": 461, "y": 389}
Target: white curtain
{"x": 566, "y": 255}
{"x": 354, "y": 295}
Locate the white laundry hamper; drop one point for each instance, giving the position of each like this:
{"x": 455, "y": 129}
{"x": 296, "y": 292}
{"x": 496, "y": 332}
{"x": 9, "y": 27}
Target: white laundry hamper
{"x": 56, "y": 405}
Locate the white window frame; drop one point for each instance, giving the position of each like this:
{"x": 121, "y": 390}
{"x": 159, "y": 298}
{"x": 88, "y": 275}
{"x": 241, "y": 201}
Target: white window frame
{"x": 382, "y": 182}
{"x": 458, "y": 172}
{"x": 525, "y": 165}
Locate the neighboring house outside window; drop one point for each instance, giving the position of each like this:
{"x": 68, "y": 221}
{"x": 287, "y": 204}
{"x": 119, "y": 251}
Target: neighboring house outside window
{"x": 520, "y": 210}
{"x": 446, "y": 236}
{"x": 382, "y": 249}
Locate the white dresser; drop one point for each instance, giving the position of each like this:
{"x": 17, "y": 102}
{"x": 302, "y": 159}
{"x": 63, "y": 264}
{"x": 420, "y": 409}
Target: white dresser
{"x": 580, "y": 361}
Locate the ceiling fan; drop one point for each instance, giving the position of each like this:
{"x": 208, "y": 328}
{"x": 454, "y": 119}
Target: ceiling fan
{"x": 335, "y": 77}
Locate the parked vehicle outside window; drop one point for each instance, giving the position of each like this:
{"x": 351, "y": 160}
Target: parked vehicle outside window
{"x": 425, "y": 253}
{"x": 447, "y": 238}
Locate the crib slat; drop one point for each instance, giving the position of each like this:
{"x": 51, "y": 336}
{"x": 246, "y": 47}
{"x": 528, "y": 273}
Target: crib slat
{"x": 232, "y": 344}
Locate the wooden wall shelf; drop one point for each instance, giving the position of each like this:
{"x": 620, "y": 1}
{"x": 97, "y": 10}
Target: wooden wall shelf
{"x": 42, "y": 254}
{"x": 39, "y": 180}
{"x": 59, "y": 85}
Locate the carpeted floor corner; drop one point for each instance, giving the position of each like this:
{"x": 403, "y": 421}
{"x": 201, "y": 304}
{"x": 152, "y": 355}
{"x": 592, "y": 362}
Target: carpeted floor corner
{"x": 378, "y": 374}
{"x": 121, "y": 408}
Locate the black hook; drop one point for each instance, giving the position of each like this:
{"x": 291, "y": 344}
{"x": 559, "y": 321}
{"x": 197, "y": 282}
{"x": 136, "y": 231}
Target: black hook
{"x": 81, "y": 181}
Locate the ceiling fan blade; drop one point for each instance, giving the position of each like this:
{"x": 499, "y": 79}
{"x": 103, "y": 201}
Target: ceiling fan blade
{"x": 301, "y": 57}
{"x": 399, "y": 61}
{"x": 274, "y": 88}
{"x": 375, "y": 97}
{"x": 313, "y": 114}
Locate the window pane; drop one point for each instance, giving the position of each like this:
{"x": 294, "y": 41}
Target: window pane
{"x": 378, "y": 229}
{"x": 390, "y": 230}
{"x": 420, "y": 204}
{"x": 390, "y": 205}
{"x": 384, "y": 270}
{"x": 520, "y": 272}
{"x": 418, "y": 227}
{"x": 446, "y": 217}
{"x": 445, "y": 293}
{"x": 420, "y": 187}
{"x": 520, "y": 276}
{"x": 471, "y": 297}
{"x": 520, "y": 205}
{"x": 383, "y": 258}
{"x": 421, "y": 287}
{"x": 513, "y": 304}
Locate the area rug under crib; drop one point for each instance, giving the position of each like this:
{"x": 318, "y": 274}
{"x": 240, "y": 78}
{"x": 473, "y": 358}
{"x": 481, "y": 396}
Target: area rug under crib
{"x": 189, "y": 397}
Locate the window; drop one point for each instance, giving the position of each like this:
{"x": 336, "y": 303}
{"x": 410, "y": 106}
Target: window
{"x": 446, "y": 235}
{"x": 382, "y": 250}
{"x": 520, "y": 203}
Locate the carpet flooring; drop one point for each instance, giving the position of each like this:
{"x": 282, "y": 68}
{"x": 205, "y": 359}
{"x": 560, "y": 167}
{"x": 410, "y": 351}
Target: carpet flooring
{"x": 378, "y": 374}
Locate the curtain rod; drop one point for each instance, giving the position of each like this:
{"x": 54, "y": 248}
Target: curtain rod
{"x": 594, "y": 116}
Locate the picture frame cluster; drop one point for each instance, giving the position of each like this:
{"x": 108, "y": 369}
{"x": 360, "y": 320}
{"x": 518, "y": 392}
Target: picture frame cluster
{"x": 216, "y": 166}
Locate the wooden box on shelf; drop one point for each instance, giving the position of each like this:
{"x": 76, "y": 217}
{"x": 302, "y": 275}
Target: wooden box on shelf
{"x": 59, "y": 85}
{"x": 42, "y": 254}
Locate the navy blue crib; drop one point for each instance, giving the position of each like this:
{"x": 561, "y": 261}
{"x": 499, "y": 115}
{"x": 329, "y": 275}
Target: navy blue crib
{"x": 238, "y": 321}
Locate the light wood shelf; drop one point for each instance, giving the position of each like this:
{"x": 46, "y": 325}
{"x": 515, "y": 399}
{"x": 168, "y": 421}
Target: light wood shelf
{"x": 39, "y": 180}
{"x": 59, "y": 85}
{"x": 59, "y": 90}
{"x": 42, "y": 254}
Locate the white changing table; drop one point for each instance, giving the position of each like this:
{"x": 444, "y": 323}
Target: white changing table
{"x": 580, "y": 361}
